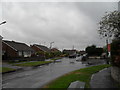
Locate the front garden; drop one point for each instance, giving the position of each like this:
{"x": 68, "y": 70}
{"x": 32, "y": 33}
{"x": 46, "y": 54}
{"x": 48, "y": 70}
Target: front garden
{"x": 35, "y": 63}
{"x": 6, "y": 69}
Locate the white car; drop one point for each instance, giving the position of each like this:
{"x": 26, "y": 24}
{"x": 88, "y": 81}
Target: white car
{"x": 58, "y": 60}
{"x": 79, "y": 58}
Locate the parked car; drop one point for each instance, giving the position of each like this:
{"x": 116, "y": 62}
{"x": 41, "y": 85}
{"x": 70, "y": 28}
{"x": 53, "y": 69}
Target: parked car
{"x": 78, "y": 55}
{"x": 79, "y": 58}
{"x": 72, "y": 56}
{"x": 84, "y": 57}
{"x": 59, "y": 60}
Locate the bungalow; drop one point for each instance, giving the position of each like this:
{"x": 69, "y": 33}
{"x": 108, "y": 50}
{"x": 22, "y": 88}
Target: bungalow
{"x": 40, "y": 48}
{"x": 82, "y": 52}
{"x": 55, "y": 50}
{"x": 69, "y": 52}
{"x": 12, "y": 49}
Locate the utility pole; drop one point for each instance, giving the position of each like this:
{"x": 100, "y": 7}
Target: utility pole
{"x": 73, "y": 47}
{"x": 119, "y": 6}
{"x": 51, "y": 44}
{"x": 1, "y": 44}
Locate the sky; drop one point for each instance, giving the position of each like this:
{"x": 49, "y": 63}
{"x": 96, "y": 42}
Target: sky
{"x": 67, "y": 24}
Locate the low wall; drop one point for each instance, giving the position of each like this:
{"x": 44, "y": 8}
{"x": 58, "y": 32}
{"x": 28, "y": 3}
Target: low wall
{"x": 115, "y": 73}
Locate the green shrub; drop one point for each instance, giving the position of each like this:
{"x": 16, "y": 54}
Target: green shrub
{"x": 115, "y": 52}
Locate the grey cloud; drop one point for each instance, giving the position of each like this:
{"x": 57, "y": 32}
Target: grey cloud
{"x": 66, "y": 24}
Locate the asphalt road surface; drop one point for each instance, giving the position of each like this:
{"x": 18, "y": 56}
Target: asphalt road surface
{"x": 37, "y": 77}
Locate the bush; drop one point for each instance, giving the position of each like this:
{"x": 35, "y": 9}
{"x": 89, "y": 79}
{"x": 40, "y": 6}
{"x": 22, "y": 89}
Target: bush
{"x": 94, "y": 51}
{"x": 115, "y": 52}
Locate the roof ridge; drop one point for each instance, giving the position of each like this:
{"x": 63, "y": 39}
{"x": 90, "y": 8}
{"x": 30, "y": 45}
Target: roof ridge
{"x": 18, "y": 45}
{"x": 13, "y": 41}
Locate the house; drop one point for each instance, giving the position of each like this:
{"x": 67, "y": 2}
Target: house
{"x": 40, "y": 48}
{"x": 55, "y": 50}
{"x": 69, "y": 52}
{"x": 82, "y": 52}
{"x": 12, "y": 49}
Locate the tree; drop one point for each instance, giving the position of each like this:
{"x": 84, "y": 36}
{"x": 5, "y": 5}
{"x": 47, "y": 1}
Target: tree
{"x": 40, "y": 53}
{"x": 115, "y": 51}
{"x": 47, "y": 55}
{"x": 109, "y": 26}
{"x": 94, "y": 51}
{"x": 91, "y": 50}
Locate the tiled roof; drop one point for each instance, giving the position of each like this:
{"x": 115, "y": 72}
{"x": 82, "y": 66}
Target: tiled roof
{"x": 18, "y": 46}
{"x": 44, "y": 48}
{"x": 55, "y": 50}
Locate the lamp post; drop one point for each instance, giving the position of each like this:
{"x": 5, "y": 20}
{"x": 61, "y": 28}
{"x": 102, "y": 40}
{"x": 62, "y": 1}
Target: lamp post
{"x": 51, "y": 44}
{"x": 1, "y": 48}
{"x": 1, "y": 51}
{"x": 1, "y": 42}
{"x": 119, "y": 6}
{"x": 107, "y": 48}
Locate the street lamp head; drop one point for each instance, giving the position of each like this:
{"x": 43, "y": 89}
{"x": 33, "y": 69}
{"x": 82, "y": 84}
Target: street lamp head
{"x": 3, "y": 23}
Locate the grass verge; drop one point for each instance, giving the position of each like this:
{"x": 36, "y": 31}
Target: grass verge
{"x": 5, "y": 69}
{"x": 37, "y": 63}
{"x": 56, "y": 58}
{"x": 83, "y": 75}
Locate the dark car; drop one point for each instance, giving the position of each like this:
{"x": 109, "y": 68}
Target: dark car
{"x": 84, "y": 58}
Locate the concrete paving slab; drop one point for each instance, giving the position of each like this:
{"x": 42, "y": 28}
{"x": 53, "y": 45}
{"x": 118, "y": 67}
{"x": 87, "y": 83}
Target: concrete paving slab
{"x": 102, "y": 79}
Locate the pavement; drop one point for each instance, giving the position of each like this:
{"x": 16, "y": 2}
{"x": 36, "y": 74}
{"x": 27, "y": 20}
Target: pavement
{"x": 103, "y": 79}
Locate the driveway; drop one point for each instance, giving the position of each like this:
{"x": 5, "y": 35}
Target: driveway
{"x": 37, "y": 77}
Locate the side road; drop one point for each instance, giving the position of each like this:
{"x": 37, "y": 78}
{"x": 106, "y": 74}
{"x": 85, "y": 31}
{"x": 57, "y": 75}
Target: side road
{"x": 24, "y": 65}
{"x": 18, "y": 67}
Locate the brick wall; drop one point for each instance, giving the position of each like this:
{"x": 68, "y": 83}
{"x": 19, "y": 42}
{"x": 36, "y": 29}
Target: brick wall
{"x": 9, "y": 52}
{"x": 115, "y": 73}
{"x": 36, "y": 48}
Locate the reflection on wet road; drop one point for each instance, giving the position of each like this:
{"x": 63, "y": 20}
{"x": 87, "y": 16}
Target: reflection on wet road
{"x": 37, "y": 77}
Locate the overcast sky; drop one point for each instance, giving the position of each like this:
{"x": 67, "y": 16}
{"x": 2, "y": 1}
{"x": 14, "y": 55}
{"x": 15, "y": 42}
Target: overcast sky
{"x": 64, "y": 23}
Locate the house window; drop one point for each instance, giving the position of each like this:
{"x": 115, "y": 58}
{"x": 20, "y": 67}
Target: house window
{"x": 20, "y": 53}
{"x": 3, "y": 52}
{"x": 27, "y": 53}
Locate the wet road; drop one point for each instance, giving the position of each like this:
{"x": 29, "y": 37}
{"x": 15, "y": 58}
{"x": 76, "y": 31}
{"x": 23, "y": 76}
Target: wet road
{"x": 37, "y": 77}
